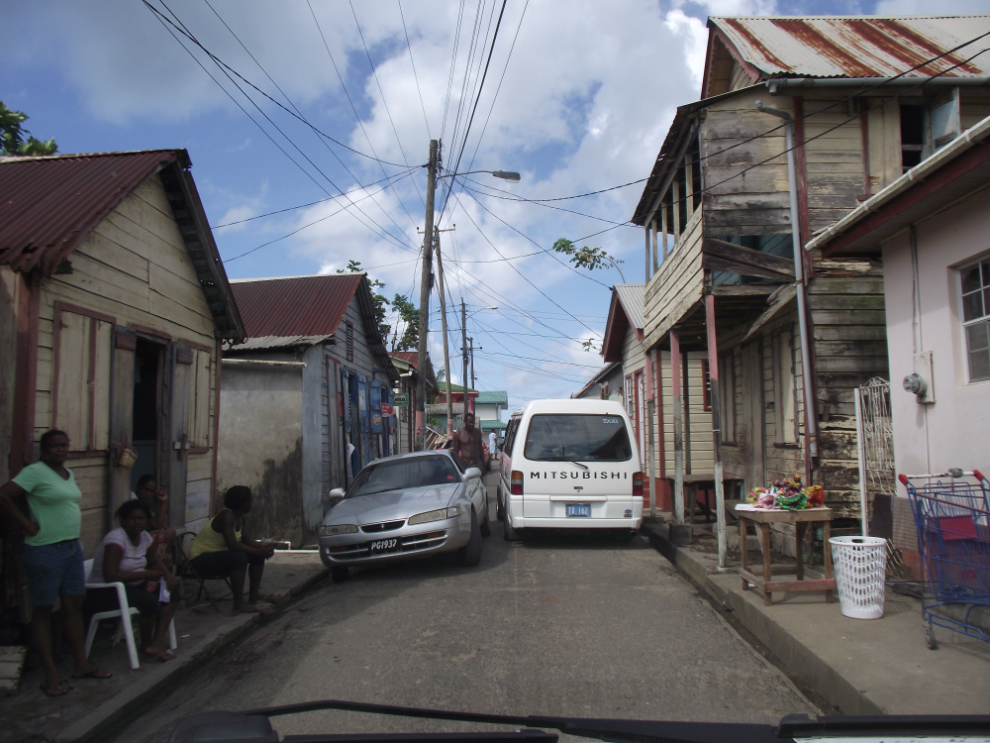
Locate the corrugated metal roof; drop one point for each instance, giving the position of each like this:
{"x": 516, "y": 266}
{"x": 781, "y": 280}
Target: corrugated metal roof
{"x": 410, "y": 357}
{"x": 297, "y": 306}
{"x": 495, "y": 397}
{"x": 845, "y": 46}
{"x": 632, "y": 298}
{"x": 488, "y": 426}
{"x": 277, "y": 341}
{"x": 49, "y": 204}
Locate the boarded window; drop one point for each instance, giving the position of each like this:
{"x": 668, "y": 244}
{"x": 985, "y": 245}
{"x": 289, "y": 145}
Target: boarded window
{"x": 976, "y": 318}
{"x": 200, "y": 399}
{"x": 81, "y": 385}
{"x": 350, "y": 341}
{"x": 783, "y": 357}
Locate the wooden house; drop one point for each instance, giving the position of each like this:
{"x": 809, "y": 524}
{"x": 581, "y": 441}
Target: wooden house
{"x": 653, "y": 415}
{"x": 301, "y": 402}
{"x": 407, "y": 363}
{"x": 605, "y": 385}
{"x": 930, "y": 230}
{"x": 113, "y": 305}
{"x": 869, "y": 98}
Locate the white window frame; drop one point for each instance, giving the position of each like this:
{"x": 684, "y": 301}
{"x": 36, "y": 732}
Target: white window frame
{"x": 984, "y": 318}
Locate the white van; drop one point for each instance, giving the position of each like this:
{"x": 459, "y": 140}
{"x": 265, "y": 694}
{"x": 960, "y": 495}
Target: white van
{"x": 570, "y": 464}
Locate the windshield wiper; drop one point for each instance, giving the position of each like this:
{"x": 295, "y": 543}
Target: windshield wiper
{"x": 564, "y": 459}
{"x": 620, "y": 731}
{"x": 793, "y": 727}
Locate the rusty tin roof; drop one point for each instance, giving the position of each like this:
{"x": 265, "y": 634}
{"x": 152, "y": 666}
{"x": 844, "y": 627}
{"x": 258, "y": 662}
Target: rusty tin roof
{"x": 296, "y": 305}
{"x": 845, "y": 46}
{"x": 49, "y": 204}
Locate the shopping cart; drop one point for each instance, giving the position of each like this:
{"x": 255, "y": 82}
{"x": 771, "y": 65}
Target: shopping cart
{"x": 952, "y": 515}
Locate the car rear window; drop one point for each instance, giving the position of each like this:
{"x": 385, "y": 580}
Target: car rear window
{"x": 577, "y": 438}
{"x": 404, "y": 474}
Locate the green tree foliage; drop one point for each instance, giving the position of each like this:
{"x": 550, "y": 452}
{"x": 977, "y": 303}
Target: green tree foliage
{"x": 408, "y": 314}
{"x": 590, "y": 258}
{"x": 12, "y": 134}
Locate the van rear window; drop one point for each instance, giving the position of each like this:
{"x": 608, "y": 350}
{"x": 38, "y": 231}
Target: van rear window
{"x": 577, "y": 438}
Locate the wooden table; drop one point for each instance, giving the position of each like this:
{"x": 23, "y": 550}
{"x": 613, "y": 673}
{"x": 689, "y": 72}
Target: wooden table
{"x": 762, "y": 519}
{"x": 694, "y": 483}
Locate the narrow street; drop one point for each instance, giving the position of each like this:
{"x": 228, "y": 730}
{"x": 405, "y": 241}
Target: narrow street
{"x": 573, "y": 625}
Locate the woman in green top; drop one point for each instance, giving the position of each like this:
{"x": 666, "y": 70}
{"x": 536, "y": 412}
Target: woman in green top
{"x": 52, "y": 554}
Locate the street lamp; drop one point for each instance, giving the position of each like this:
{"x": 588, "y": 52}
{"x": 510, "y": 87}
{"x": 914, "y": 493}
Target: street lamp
{"x": 424, "y": 289}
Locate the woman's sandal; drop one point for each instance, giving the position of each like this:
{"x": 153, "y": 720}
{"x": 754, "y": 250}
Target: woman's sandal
{"x": 55, "y": 690}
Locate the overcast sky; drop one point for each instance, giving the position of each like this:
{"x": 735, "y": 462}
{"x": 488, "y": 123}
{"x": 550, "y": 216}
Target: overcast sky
{"x": 578, "y": 97}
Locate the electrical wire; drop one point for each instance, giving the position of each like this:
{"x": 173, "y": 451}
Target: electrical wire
{"x": 185, "y": 31}
{"x": 300, "y": 229}
{"x": 300, "y": 115}
{"x": 302, "y": 206}
{"x": 413, "y": 63}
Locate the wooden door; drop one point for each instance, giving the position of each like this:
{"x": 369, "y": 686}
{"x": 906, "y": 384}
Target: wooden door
{"x": 121, "y": 415}
{"x": 749, "y": 429}
{"x": 180, "y": 377}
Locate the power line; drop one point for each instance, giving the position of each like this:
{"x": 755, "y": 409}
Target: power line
{"x": 477, "y": 99}
{"x": 374, "y": 73}
{"x": 499, "y": 88}
{"x": 343, "y": 86}
{"x": 185, "y": 32}
{"x": 413, "y": 63}
{"x": 300, "y": 115}
{"x": 321, "y": 219}
{"x": 627, "y": 223}
{"x": 302, "y": 206}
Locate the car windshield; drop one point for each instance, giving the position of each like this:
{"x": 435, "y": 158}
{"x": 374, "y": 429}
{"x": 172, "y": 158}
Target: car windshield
{"x": 577, "y": 438}
{"x": 404, "y": 474}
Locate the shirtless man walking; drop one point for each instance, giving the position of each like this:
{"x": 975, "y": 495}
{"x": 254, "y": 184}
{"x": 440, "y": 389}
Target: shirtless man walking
{"x": 467, "y": 443}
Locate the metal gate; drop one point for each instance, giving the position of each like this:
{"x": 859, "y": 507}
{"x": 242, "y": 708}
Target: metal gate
{"x": 875, "y": 442}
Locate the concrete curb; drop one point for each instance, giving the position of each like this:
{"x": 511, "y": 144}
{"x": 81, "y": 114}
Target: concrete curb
{"x": 724, "y": 589}
{"x": 117, "y": 713}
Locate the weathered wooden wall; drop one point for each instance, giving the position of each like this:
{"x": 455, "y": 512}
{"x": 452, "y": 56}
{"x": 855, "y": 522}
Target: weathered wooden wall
{"x": 9, "y": 285}
{"x": 700, "y": 422}
{"x": 134, "y": 268}
{"x": 846, "y": 305}
{"x": 744, "y": 195}
{"x": 678, "y": 285}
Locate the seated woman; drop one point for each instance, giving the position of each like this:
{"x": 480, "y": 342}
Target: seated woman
{"x": 223, "y": 548}
{"x": 148, "y": 493}
{"x": 128, "y": 555}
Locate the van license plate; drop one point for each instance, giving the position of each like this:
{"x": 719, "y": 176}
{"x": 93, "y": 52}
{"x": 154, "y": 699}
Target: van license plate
{"x": 384, "y": 545}
{"x": 579, "y": 509}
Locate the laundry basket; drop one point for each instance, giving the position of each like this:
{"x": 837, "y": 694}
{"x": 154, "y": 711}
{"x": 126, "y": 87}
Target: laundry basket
{"x": 860, "y": 570}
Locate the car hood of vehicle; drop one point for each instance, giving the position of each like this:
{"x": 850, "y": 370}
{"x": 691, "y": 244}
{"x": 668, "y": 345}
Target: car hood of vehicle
{"x": 391, "y": 504}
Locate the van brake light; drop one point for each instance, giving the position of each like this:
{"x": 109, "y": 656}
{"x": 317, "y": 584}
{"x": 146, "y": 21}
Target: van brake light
{"x": 637, "y": 483}
{"x": 516, "y": 483}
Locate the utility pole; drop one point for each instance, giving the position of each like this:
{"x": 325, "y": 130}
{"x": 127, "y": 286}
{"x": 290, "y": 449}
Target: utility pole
{"x": 464, "y": 353}
{"x": 424, "y": 300}
{"x": 446, "y": 352}
{"x": 471, "y": 346}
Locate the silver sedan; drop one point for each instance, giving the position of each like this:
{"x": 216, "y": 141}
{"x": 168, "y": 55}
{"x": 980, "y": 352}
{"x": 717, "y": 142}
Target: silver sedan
{"x": 405, "y": 507}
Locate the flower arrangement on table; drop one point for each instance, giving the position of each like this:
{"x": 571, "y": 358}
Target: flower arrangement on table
{"x": 788, "y": 495}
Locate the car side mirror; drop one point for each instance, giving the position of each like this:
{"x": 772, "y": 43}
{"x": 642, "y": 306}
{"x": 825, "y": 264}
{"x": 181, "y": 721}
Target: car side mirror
{"x": 472, "y": 472}
{"x": 332, "y": 498}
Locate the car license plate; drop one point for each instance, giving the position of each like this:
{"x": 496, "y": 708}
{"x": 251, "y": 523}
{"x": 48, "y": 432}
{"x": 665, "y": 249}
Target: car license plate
{"x": 579, "y": 509}
{"x": 384, "y": 545}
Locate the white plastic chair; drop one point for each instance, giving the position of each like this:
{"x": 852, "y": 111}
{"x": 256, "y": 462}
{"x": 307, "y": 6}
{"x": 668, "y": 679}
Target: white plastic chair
{"x": 124, "y": 628}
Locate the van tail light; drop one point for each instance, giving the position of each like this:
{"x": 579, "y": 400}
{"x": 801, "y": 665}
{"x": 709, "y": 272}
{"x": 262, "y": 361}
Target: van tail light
{"x": 516, "y": 483}
{"x": 637, "y": 483}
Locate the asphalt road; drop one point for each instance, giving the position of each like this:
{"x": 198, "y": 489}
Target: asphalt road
{"x": 562, "y": 624}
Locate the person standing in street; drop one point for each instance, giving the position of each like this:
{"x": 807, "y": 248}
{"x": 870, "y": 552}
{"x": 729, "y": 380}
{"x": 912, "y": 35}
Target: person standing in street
{"x": 492, "y": 449}
{"x": 467, "y": 444}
